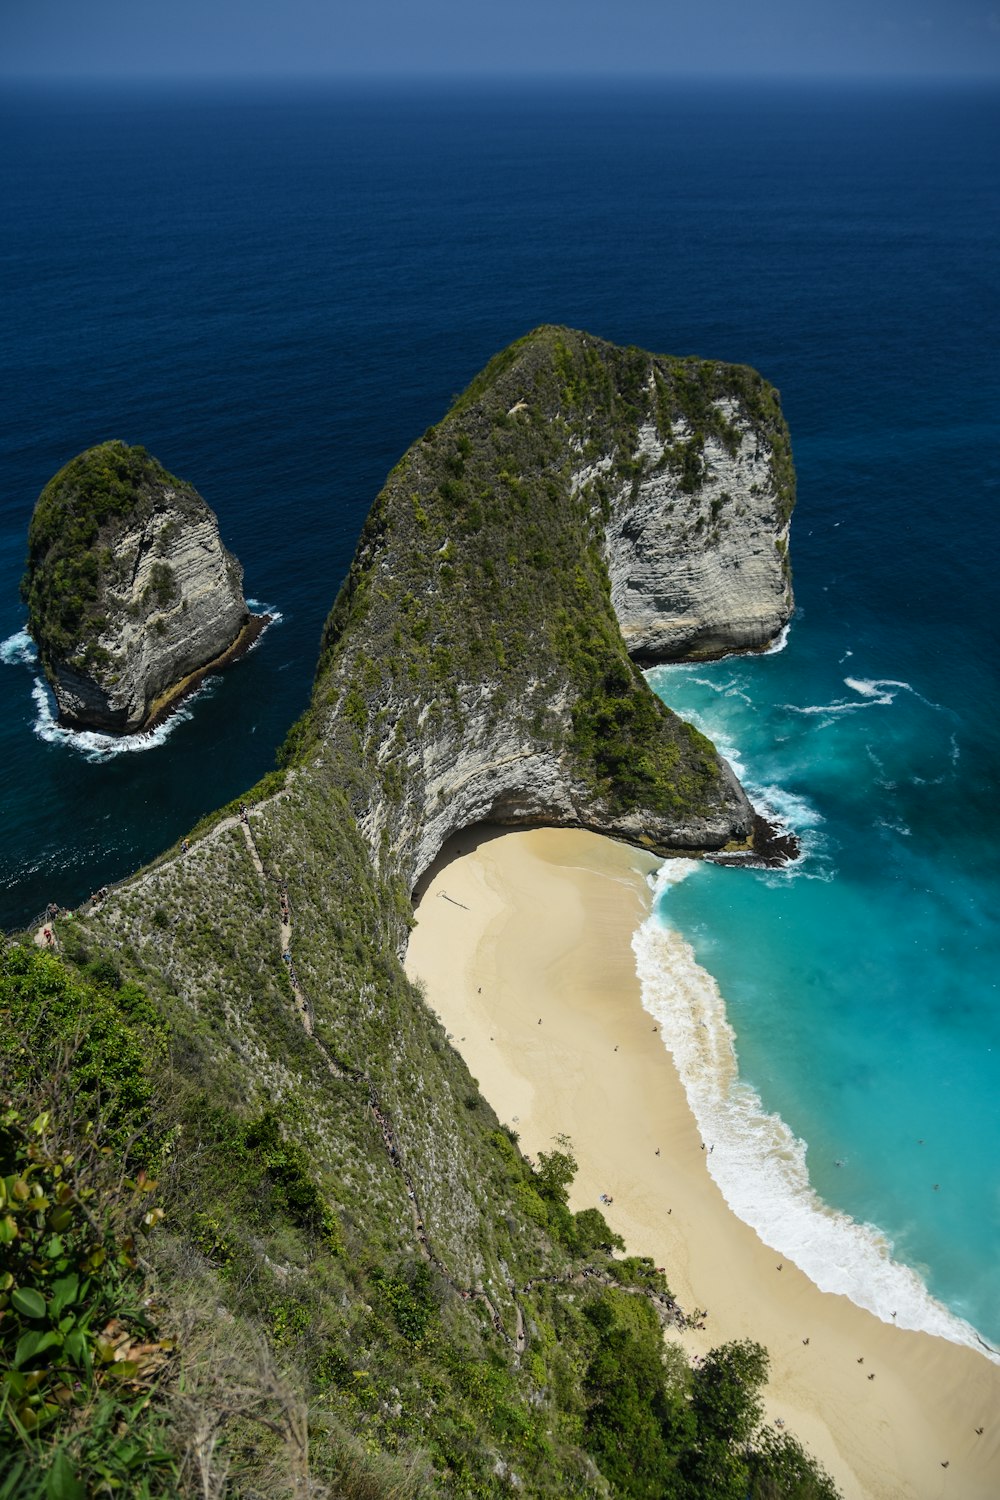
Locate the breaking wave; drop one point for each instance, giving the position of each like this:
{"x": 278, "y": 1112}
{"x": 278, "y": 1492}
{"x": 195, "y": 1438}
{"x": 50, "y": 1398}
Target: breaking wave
{"x": 758, "y": 1164}
{"x": 871, "y": 692}
{"x": 256, "y": 607}
{"x": 97, "y": 747}
{"x": 18, "y": 650}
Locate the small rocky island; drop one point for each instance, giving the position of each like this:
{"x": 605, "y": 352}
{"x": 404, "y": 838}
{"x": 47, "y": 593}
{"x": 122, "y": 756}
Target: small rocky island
{"x": 131, "y": 594}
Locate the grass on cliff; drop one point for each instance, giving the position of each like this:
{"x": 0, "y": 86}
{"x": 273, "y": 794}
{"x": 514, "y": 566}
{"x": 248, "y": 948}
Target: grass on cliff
{"x": 273, "y": 1347}
{"x": 481, "y": 562}
{"x": 71, "y": 528}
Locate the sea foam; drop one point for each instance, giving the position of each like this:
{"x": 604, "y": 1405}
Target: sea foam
{"x": 872, "y": 692}
{"x": 780, "y": 641}
{"x": 787, "y": 810}
{"x": 18, "y": 650}
{"x": 274, "y": 615}
{"x": 757, "y": 1162}
{"x": 97, "y": 747}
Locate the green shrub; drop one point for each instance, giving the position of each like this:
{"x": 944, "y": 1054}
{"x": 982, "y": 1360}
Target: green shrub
{"x": 79, "y": 1356}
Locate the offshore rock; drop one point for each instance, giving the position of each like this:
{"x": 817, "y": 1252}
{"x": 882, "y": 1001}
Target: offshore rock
{"x": 131, "y": 594}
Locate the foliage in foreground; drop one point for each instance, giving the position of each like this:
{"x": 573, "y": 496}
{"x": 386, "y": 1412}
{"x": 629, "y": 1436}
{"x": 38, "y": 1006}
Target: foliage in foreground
{"x": 352, "y": 1372}
{"x": 79, "y": 1352}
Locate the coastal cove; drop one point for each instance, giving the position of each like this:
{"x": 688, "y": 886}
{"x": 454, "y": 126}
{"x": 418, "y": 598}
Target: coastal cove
{"x": 523, "y": 945}
{"x": 472, "y": 667}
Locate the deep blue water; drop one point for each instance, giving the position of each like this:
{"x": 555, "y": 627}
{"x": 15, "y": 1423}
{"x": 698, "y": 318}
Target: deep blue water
{"x": 276, "y": 292}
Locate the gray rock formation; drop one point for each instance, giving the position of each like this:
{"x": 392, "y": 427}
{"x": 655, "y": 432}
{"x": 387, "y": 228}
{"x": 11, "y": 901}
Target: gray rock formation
{"x": 702, "y": 573}
{"x": 130, "y": 592}
{"x": 491, "y": 774}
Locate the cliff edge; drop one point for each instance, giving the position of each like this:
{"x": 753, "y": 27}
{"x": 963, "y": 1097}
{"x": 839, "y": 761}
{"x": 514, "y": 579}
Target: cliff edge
{"x": 580, "y": 509}
{"x": 333, "y": 1181}
{"x": 129, "y": 589}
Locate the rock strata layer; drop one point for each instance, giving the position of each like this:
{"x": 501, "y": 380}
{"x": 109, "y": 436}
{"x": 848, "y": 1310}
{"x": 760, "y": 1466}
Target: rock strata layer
{"x": 130, "y": 591}
{"x": 699, "y": 569}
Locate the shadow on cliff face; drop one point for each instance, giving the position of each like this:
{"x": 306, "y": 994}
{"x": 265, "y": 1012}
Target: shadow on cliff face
{"x": 773, "y": 847}
{"x": 467, "y": 842}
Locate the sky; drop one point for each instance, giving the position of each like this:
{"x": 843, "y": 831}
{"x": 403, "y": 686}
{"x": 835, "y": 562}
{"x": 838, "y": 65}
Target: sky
{"x": 316, "y": 38}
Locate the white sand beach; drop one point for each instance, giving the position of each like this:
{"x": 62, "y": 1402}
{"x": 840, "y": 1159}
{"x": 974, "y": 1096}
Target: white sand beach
{"x": 523, "y": 944}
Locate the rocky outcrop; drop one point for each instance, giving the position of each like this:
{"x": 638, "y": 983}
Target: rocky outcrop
{"x": 704, "y": 571}
{"x": 323, "y": 1137}
{"x": 473, "y": 669}
{"x": 130, "y": 592}
{"x": 580, "y": 504}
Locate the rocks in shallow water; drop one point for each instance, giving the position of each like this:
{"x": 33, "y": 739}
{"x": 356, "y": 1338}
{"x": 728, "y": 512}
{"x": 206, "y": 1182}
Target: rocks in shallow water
{"x": 130, "y": 592}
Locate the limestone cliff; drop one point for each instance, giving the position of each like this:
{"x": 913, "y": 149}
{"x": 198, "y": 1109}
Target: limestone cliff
{"x": 699, "y": 561}
{"x": 578, "y": 500}
{"x": 129, "y": 589}
{"x": 331, "y": 1168}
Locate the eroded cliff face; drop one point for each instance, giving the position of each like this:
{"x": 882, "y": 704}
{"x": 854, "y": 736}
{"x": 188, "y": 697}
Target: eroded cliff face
{"x": 129, "y": 588}
{"x": 581, "y": 504}
{"x": 701, "y": 571}
{"x": 488, "y": 772}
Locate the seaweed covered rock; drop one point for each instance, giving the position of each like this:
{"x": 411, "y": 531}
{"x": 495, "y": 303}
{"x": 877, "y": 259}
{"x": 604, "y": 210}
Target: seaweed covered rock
{"x": 130, "y": 592}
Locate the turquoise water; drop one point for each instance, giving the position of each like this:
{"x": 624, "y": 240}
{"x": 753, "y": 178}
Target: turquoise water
{"x": 303, "y": 279}
{"x": 860, "y": 984}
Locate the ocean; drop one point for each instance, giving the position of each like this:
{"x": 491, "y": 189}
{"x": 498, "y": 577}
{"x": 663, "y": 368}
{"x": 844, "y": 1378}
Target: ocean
{"x": 277, "y": 290}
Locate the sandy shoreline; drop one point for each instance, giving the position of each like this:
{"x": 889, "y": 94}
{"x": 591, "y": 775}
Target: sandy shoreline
{"x": 523, "y": 942}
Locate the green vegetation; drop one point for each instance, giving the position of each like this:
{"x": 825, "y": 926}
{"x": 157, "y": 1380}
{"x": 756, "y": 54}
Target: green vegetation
{"x": 357, "y": 1285}
{"x": 79, "y": 1352}
{"x": 482, "y": 562}
{"x": 349, "y": 1361}
{"x": 70, "y": 542}
{"x": 162, "y": 585}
